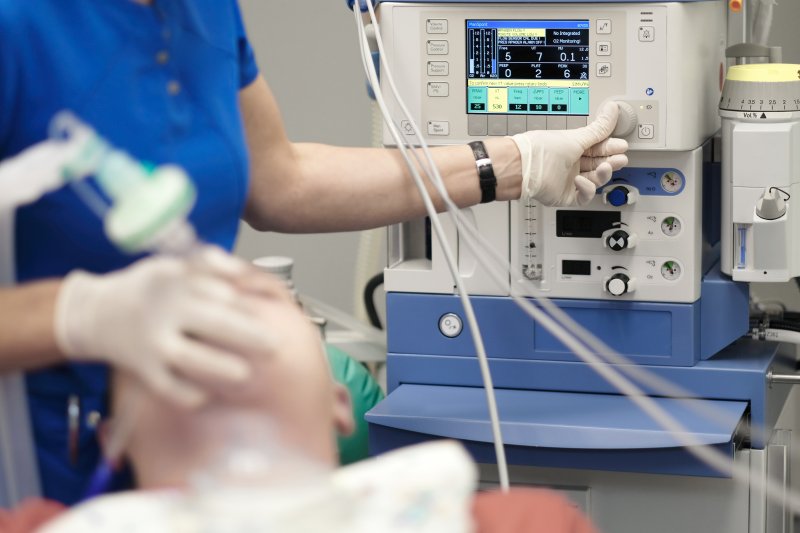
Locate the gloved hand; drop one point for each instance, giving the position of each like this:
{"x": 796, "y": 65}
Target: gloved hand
{"x": 27, "y": 176}
{"x": 562, "y": 168}
{"x": 165, "y": 319}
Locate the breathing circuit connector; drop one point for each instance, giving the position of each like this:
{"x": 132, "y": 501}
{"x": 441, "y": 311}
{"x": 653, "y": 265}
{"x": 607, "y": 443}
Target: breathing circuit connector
{"x": 149, "y": 206}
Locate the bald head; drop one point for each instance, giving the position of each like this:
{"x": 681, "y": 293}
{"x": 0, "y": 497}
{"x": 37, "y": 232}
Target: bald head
{"x": 290, "y": 387}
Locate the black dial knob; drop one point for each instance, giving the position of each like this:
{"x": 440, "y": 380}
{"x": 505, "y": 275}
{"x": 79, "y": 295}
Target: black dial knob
{"x": 618, "y": 284}
{"x": 618, "y": 240}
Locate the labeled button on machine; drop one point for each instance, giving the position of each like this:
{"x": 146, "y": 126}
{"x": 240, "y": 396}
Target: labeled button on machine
{"x": 438, "y": 68}
{"x": 604, "y": 70}
{"x": 646, "y": 131}
{"x": 604, "y": 48}
{"x": 576, "y": 122}
{"x": 517, "y": 124}
{"x": 498, "y": 125}
{"x": 437, "y": 26}
{"x": 438, "y": 48}
{"x": 438, "y": 88}
{"x": 537, "y": 122}
{"x": 647, "y": 34}
{"x": 603, "y": 26}
{"x": 438, "y": 127}
{"x": 556, "y": 122}
{"x": 477, "y": 125}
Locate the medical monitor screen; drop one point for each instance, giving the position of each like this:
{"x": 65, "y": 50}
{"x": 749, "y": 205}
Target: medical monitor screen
{"x": 532, "y": 67}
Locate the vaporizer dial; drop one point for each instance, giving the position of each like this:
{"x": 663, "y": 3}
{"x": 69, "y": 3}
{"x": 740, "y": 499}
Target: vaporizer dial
{"x": 758, "y": 89}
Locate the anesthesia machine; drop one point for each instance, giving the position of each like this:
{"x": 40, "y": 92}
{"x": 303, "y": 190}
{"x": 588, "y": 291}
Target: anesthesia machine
{"x": 656, "y": 266}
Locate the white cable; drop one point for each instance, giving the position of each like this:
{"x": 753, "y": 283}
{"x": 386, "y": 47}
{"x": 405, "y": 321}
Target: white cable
{"x": 449, "y": 259}
{"x": 782, "y": 335}
{"x": 706, "y": 454}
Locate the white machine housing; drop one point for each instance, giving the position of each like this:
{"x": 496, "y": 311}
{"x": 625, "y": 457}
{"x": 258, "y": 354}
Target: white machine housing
{"x": 677, "y": 74}
{"x": 762, "y": 151}
{"x": 664, "y": 59}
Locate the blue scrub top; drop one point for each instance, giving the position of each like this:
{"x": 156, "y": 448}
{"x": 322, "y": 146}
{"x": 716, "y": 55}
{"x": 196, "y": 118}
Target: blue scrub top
{"x": 162, "y": 83}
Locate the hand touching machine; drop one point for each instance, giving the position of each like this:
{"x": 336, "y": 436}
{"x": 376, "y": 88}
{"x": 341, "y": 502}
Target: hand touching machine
{"x": 639, "y": 266}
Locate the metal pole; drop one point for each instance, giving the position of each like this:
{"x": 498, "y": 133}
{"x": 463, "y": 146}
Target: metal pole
{"x": 792, "y": 379}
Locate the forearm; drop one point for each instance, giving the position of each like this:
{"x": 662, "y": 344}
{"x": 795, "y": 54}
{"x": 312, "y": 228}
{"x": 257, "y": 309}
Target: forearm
{"x": 297, "y": 187}
{"x": 27, "y": 337}
{"x": 342, "y": 189}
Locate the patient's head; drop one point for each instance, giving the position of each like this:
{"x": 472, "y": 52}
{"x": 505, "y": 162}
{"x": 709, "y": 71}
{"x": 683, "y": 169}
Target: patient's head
{"x": 291, "y": 385}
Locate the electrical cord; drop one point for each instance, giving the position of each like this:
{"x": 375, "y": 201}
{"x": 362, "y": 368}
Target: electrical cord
{"x": 469, "y": 312}
{"x": 369, "y": 299}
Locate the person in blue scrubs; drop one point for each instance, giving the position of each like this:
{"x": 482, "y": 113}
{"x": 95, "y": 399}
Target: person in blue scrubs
{"x": 176, "y": 81}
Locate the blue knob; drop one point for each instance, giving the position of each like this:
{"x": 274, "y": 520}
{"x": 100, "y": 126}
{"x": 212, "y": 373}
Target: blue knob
{"x": 618, "y": 196}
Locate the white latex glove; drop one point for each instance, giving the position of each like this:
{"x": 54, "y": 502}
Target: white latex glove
{"x": 176, "y": 323}
{"x": 34, "y": 172}
{"x": 565, "y": 167}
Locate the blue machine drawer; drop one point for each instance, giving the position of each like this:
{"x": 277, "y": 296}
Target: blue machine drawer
{"x": 571, "y": 430}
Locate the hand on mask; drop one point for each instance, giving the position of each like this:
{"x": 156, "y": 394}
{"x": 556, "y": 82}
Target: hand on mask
{"x": 174, "y": 322}
{"x": 565, "y": 167}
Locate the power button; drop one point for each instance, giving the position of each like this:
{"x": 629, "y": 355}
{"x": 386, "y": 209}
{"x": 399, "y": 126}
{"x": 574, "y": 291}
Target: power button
{"x": 647, "y": 131}
{"x": 450, "y": 325}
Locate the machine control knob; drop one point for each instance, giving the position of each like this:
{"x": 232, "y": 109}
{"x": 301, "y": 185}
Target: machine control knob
{"x": 627, "y": 120}
{"x": 618, "y": 196}
{"x": 619, "y": 239}
{"x": 619, "y": 284}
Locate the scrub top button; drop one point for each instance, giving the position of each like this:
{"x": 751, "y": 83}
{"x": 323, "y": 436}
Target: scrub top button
{"x": 173, "y": 87}
{"x": 162, "y": 57}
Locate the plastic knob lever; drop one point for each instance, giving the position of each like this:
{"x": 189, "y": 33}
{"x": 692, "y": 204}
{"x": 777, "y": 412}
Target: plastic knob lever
{"x": 626, "y": 122}
{"x": 618, "y": 196}
{"x": 771, "y": 205}
{"x": 618, "y": 284}
{"x": 618, "y": 240}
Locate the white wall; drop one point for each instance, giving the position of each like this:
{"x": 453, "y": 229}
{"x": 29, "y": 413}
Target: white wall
{"x": 308, "y": 53}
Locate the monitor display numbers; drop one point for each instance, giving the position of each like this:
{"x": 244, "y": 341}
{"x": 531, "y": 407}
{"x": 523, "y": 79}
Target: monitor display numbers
{"x": 528, "y": 66}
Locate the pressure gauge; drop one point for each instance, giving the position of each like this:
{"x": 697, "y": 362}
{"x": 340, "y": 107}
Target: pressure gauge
{"x": 671, "y": 182}
{"x": 671, "y": 270}
{"x": 671, "y": 226}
